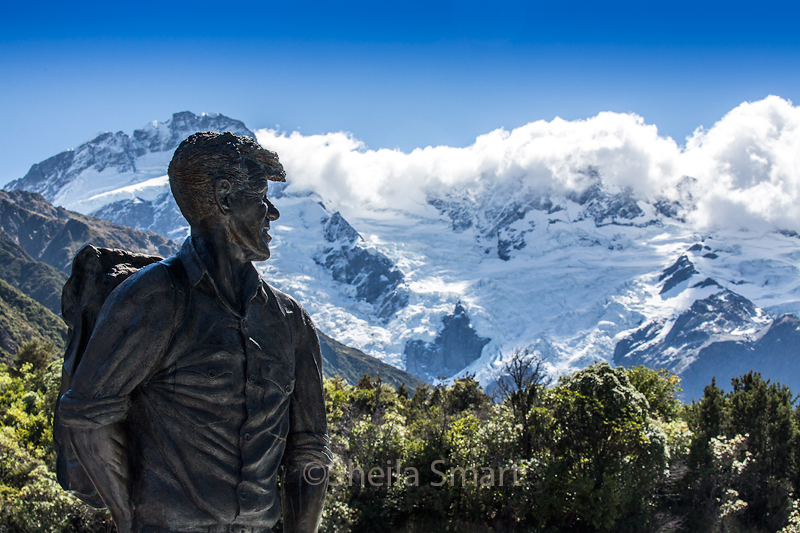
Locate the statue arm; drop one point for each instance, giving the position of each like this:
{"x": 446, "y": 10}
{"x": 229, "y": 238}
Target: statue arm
{"x": 132, "y": 333}
{"x": 308, "y": 456}
{"x": 103, "y": 453}
{"x": 302, "y": 501}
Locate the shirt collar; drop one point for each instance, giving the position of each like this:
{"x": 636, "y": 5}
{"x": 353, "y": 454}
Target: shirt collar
{"x": 196, "y": 270}
{"x": 195, "y": 267}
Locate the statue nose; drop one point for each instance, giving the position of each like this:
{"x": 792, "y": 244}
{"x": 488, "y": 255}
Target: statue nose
{"x": 272, "y": 211}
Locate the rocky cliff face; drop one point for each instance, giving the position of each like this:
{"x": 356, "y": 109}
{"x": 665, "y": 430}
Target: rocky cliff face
{"x": 722, "y": 336}
{"x": 676, "y": 344}
{"x": 776, "y": 355}
{"x": 680, "y": 271}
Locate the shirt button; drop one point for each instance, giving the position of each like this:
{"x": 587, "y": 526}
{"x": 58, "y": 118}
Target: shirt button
{"x": 251, "y": 378}
{"x": 247, "y": 436}
{"x": 244, "y": 495}
{"x": 212, "y": 373}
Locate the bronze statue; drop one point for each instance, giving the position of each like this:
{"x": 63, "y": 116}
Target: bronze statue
{"x": 199, "y": 383}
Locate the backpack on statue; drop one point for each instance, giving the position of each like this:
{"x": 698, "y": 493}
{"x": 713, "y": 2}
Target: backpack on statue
{"x": 96, "y": 272}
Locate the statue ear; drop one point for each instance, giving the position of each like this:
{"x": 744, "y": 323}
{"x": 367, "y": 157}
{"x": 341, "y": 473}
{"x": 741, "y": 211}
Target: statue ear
{"x": 222, "y": 192}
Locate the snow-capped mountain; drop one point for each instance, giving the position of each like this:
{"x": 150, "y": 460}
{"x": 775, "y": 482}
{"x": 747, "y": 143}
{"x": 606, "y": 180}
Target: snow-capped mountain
{"x": 585, "y": 241}
{"x": 123, "y": 178}
{"x": 721, "y": 332}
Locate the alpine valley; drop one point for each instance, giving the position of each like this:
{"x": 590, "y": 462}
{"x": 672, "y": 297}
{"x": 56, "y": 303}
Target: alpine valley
{"x": 554, "y": 237}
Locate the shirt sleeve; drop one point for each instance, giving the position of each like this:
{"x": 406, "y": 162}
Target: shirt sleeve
{"x": 307, "y": 441}
{"x": 131, "y": 335}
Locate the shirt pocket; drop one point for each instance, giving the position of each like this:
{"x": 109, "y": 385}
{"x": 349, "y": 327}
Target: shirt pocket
{"x": 276, "y": 375}
{"x": 208, "y": 389}
{"x": 205, "y": 375}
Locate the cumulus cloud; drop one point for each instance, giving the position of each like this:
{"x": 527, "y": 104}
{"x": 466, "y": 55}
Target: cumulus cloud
{"x": 747, "y": 166}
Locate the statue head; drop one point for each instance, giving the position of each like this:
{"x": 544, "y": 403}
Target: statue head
{"x": 205, "y": 158}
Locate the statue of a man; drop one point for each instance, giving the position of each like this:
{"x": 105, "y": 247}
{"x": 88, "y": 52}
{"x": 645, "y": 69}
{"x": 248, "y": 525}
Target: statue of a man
{"x": 200, "y": 381}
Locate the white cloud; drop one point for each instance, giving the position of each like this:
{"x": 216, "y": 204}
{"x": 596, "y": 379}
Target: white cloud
{"x": 747, "y": 165}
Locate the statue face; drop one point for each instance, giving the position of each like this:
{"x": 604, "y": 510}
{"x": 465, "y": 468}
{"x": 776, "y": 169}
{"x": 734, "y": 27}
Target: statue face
{"x": 249, "y": 218}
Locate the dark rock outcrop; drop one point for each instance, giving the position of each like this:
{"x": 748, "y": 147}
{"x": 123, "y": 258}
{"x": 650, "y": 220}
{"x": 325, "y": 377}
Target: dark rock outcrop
{"x": 679, "y": 271}
{"x": 374, "y": 277}
{"x": 708, "y": 282}
{"x": 337, "y": 230}
{"x": 718, "y": 314}
{"x": 456, "y": 346}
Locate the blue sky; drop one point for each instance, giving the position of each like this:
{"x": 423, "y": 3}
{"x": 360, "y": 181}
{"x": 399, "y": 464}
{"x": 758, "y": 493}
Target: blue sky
{"x": 395, "y": 75}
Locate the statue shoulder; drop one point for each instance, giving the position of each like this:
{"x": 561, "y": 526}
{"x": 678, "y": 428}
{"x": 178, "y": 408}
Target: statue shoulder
{"x": 153, "y": 280}
{"x": 155, "y": 289}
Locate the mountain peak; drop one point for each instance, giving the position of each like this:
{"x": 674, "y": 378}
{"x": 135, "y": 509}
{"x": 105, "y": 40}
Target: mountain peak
{"x": 118, "y": 152}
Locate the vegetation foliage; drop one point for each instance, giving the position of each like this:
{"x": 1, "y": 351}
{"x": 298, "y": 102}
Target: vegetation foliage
{"x": 603, "y": 449}
{"x": 23, "y": 319}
